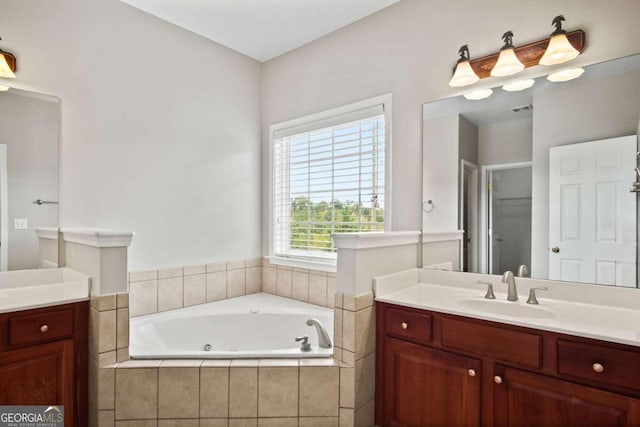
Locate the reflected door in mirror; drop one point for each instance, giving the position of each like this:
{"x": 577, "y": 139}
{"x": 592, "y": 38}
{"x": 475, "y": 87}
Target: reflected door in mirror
{"x": 592, "y": 214}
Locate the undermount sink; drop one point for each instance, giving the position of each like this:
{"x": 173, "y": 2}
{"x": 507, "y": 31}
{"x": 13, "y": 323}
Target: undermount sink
{"x": 513, "y": 309}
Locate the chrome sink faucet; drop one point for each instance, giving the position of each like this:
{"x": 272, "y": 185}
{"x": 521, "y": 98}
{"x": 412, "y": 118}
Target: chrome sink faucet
{"x": 323, "y": 337}
{"x": 512, "y": 293}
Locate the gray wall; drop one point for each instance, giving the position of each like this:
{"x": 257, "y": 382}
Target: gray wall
{"x": 408, "y": 49}
{"x": 30, "y": 128}
{"x": 577, "y": 111}
{"x": 160, "y": 127}
{"x": 468, "y": 141}
{"x": 505, "y": 142}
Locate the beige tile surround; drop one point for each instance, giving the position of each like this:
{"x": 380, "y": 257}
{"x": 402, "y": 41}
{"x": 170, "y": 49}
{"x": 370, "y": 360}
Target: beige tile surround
{"x": 222, "y": 392}
{"x": 320, "y": 392}
{"x": 166, "y": 289}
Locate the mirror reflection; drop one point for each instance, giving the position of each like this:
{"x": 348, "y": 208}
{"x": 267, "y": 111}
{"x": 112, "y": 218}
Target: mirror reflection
{"x": 29, "y": 133}
{"x": 543, "y": 178}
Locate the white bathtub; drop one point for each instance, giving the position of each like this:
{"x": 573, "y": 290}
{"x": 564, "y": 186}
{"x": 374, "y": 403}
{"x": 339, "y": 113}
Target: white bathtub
{"x": 252, "y": 326}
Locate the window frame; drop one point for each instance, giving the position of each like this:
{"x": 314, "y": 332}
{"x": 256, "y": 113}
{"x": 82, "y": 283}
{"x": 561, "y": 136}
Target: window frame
{"x": 324, "y": 262}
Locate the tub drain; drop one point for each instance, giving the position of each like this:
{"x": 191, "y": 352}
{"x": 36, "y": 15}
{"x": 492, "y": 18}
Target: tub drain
{"x": 207, "y": 347}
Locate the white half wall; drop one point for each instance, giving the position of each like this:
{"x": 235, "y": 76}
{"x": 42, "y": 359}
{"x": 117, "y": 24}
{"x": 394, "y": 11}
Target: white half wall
{"x": 408, "y": 50}
{"x": 160, "y": 127}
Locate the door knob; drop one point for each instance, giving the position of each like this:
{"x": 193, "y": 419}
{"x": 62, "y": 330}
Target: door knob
{"x": 555, "y": 249}
{"x": 497, "y": 379}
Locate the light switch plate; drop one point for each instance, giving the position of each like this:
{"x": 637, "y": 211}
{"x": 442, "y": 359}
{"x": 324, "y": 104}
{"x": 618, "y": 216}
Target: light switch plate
{"x": 20, "y": 223}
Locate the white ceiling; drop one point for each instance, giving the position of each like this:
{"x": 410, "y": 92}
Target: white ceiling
{"x": 262, "y": 29}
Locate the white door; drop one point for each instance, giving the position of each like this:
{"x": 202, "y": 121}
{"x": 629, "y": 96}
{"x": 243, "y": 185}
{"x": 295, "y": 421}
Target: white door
{"x": 592, "y": 213}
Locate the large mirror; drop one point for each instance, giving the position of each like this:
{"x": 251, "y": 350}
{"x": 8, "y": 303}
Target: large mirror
{"x": 542, "y": 177}
{"x": 29, "y": 135}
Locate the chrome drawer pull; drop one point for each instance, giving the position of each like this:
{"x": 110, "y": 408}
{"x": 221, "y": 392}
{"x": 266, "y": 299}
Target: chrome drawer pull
{"x": 404, "y": 325}
{"x": 597, "y": 367}
{"x": 44, "y": 328}
{"x": 497, "y": 379}
{"x": 472, "y": 372}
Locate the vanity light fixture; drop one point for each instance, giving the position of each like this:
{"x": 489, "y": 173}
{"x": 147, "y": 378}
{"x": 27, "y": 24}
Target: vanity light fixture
{"x": 478, "y": 94}
{"x": 518, "y": 85}
{"x": 7, "y": 64}
{"x": 560, "y": 50}
{"x": 508, "y": 63}
{"x": 463, "y": 74}
{"x": 565, "y": 75}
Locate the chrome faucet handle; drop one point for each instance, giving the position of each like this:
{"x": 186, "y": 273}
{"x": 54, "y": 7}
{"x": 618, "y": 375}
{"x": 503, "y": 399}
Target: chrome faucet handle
{"x": 305, "y": 345}
{"x": 489, "y": 294}
{"x": 522, "y": 271}
{"x": 532, "y": 294}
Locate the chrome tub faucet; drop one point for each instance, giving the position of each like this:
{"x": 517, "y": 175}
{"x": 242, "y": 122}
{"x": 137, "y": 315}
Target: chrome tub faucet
{"x": 324, "y": 341}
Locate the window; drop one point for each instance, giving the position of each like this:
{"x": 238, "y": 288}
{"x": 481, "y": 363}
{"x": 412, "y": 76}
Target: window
{"x": 328, "y": 176}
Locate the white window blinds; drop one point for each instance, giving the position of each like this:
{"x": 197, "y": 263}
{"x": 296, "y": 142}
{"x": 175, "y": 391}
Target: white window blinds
{"x": 329, "y": 177}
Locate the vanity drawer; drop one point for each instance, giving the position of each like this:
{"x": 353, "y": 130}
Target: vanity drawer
{"x": 408, "y": 325}
{"x": 40, "y": 327}
{"x": 507, "y": 345}
{"x": 602, "y": 364}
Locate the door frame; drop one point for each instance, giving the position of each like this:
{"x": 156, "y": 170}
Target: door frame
{"x": 484, "y": 206}
{"x": 472, "y": 233}
{"x": 4, "y": 209}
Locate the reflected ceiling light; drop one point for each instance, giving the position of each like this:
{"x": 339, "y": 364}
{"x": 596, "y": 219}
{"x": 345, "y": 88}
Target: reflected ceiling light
{"x": 4, "y": 88}
{"x": 565, "y": 75}
{"x": 7, "y": 64}
{"x": 478, "y": 94}
{"x": 464, "y": 74}
{"x": 560, "y": 50}
{"x": 508, "y": 63}
{"x": 518, "y": 85}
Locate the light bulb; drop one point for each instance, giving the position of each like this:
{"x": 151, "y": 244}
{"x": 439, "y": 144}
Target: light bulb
{"x": 4, "y": 88}
{"x": 518, "y": 85}
{"x": 5, "y": 70}
{"x": 464, "y": 75}
{"x": 478, "y": 94}
{"x": 559, "y": 51}
{"x": 565, "y": 75}
{"x": 507, "y": 65}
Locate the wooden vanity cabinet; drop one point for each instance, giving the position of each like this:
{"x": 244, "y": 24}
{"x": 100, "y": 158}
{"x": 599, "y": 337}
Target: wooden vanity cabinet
{"x": 43, "y": 359}
{"x": 434, "y": 369}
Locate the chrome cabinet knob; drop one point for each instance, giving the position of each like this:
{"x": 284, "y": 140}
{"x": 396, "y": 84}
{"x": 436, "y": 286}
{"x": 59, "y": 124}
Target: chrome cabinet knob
{"x": 555, "y": 249}
{"x": 44, "y": 328}
{"x": 404, "y": 325}
{"x": 497, "y": 379}
{"x": 597, "y": 367}
{"x": 472, "y": 372}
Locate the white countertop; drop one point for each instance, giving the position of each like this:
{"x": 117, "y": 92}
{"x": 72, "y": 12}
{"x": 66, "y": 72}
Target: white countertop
{"x": 602, "y": 322}
{"x": 28, "y": 289}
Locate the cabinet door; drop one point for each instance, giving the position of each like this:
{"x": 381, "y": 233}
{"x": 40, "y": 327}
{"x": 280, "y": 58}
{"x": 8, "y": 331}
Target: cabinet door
{"x": 425, "y": 387}
{"x": 524, "y": 399}
{"x": 39, "y": 375}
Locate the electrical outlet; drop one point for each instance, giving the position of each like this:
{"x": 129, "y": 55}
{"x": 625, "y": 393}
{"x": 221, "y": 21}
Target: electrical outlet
{"x": 20, "y": 223}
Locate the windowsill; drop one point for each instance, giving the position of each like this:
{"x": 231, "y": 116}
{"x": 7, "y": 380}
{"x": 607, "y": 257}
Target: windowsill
{"x": 330, "y": 265}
